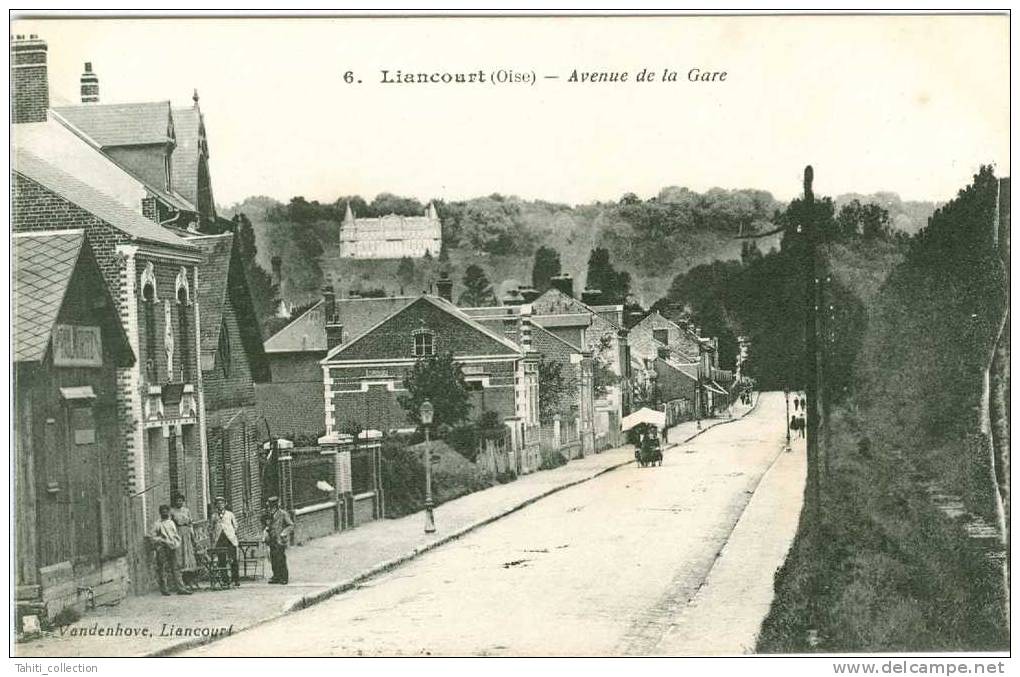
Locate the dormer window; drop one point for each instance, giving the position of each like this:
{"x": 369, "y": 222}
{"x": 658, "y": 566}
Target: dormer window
{"x": 424, "y": 343}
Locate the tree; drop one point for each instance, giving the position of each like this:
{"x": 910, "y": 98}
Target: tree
{"x": 260, "y": 283}
{"x": 477, "y": 288}
{"x": 869, "y": 221}
{"x": 603, "y": 377}
{"x": 439, "y": 380}
{"x": 388, "y": 203}
{"x": 547, "y": 266}
{"x": 614, "y": 285}
{"x": 405, "y": 272}
{"x": 553, "y": 386}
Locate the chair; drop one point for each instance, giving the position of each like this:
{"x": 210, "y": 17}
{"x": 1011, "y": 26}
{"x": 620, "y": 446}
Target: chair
{"x": 251, "y": 559}
{"x": 218, "y": 568}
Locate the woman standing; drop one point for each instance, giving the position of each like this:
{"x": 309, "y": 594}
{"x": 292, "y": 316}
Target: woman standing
{"x": 187, "y": 562}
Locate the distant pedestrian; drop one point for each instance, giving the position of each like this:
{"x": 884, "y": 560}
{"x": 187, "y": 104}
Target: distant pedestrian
{"x": 802, "y": 426}
{"x": 223, "y": 536}
{"x": 796, "y": 404}
{"x": 167, "y": 542}
{"x": 279, "y": 525}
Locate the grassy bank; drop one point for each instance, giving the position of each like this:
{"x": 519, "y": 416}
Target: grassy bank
{"x": 877, "y": 567}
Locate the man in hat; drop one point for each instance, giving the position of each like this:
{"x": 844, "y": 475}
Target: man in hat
{"x": 278, "y": 528}
{"x": 166, "y": 541}
{"x": 223, "y": 536}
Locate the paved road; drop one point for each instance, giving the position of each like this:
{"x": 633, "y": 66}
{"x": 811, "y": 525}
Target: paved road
{"x": 619, "y": 565}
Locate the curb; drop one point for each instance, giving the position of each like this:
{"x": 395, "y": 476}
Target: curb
{"x": 312, "y": 599}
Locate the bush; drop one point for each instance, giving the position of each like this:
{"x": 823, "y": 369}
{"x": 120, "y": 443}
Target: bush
{"x": 464, "y": 440}
{"x": 551, "y": 458}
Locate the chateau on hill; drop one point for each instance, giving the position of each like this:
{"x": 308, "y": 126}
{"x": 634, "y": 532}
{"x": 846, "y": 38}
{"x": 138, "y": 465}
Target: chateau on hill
{"x": 391, "y": 236}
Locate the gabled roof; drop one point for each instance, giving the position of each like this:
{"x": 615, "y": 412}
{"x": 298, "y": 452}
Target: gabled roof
{"x": 553, "y": 301}
{"x": 62, "y": 147}
{"x": 44, "y": 265}
{"x": 441, "y": 304}
{"x": 222, "y": 275}
{"x": 188, "y": 128}
{"x": 122, "y": 124}
{"x": 539, "y": 329}
{"x": 133, "y": 224}
{"x": 307, "y": 332}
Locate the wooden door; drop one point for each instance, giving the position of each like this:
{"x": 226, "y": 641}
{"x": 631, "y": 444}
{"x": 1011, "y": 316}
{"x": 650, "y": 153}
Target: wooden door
{"x": 84, "y": 482}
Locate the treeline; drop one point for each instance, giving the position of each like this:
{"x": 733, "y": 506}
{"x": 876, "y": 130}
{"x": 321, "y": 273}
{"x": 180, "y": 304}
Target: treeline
{"x": 877, "y": 565}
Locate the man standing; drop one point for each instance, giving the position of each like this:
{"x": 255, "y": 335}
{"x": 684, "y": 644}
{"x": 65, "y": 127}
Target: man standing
{"x": 278, "y": 528}
{"x": 223, "y": 536}
{"x": 166, "y": 541}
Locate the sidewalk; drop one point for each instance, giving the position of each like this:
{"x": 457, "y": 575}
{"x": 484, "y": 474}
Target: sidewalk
{"x": 153, "y": 625}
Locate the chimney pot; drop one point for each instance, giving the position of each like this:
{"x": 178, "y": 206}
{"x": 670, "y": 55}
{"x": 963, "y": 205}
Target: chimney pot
{"x": 89, "y": 85}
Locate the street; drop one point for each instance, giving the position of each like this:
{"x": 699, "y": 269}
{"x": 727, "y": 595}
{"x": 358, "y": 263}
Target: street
{"x": 639, "y": 561}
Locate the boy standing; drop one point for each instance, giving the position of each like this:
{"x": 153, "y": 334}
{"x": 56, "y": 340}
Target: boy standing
{"x": 166, "y": 539}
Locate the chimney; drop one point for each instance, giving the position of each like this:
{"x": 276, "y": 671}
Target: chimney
{"x": 513, "y": 298}
{"x": 444, "y": 287}
{"x": 89, "y": 85}
{"x": 563, "y": 283}
{"x": 277, "y": 264}
{"x": 30, "y": 91}
{"x": 526, "y": 329}
{"x": 591, "y": 297}
{"x": 334, "y": 330}
{"x": 529, "y": 294}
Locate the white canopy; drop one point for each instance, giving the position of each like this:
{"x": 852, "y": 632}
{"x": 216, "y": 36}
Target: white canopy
{"x": 644, "y": 415}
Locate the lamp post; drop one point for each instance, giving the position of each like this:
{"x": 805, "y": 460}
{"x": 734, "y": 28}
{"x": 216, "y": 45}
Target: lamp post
{"x": 425, "y": 412}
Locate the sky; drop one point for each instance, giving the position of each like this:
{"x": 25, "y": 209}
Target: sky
{"x": 911, "y": 105}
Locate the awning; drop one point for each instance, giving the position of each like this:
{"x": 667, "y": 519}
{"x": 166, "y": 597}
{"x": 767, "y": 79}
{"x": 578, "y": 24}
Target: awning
{"x": 644, "y": 415}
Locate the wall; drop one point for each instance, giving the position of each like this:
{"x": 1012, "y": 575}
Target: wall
{"x": 145, "y": 162}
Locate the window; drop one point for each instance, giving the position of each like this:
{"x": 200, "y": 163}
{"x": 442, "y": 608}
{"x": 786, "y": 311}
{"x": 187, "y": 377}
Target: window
{"x": 661, "y": 335}
{"x": 224, "y": 350}
{"x": 149, "y": 296}
{"x": 172, "y": 462}
{"x": 182, "y": 320}
{"x": 424, "y": 344}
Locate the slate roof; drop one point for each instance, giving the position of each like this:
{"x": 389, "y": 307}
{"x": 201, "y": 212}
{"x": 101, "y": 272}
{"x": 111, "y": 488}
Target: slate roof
{"x": 291, "y": 408}
{"x": 555, "y": 302}
{"x": 87, "y": 197}
{"x": 63, "y": 147}
{"x": 187, "y": 128}
{"x": 43, "y": 265}
{"x": 307, "y": 332}
{"x": 212, "y": 286}
{"x": 443, "y": 305}
{"x": 215, "y": 282}
{"x": 121, "y": 124}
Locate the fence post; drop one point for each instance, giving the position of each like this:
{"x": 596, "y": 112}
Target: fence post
{"x": 556, "y": 432}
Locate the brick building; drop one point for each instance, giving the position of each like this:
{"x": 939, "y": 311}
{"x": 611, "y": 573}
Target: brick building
{"x": 599, "y": 330}
{"x": 72, "y": 530}
{"x": 292, "y": 402}
{"x": 364, "y": 376}
{"x": 232, "y": 362}
{"x": 64, "y": 178}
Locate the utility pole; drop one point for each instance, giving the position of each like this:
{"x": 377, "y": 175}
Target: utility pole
{"x": 812, "y": 357}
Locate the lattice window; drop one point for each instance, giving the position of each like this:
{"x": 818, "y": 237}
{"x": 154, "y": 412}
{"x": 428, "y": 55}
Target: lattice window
{"x": 424, "y": 343}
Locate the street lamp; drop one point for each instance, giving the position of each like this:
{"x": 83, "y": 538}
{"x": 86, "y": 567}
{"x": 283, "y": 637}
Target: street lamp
{"x": 425, "y": 412}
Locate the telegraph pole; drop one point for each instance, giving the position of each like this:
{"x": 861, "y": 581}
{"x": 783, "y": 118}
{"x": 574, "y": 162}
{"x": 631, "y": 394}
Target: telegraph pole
{"x": 813, "y": 354}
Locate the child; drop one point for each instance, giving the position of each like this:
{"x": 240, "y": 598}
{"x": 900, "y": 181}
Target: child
{"x": 166, "y": 539}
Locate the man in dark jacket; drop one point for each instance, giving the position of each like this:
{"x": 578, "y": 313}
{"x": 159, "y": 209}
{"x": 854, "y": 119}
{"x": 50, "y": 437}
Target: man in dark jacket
{"x": 279, "y": 525}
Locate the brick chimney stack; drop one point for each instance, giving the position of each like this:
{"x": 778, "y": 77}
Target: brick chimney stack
{"x": 30, "y": 89}
{"x": 89, "y": 85}
{"x": 334, "y": 330}
{"x": 444, "y": 287}
{"x": 591, "y": 297}
{"x": 563, "y": 283}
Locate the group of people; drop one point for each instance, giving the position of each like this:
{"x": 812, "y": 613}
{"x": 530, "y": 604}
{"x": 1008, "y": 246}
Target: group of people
{"x": 798, "y": 422}
{"x": 179, "y": 555}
